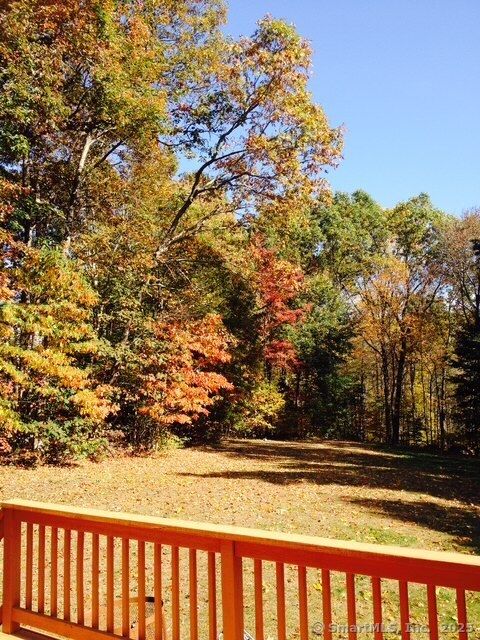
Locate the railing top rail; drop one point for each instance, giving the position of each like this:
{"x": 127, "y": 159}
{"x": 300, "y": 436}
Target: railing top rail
{"x": 246, "y": 535}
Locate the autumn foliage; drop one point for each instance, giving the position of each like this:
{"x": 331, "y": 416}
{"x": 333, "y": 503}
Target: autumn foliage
{"x": 180, "y": 381}
{"x": 278, "y": 284}
{"x": 174, "y": 263}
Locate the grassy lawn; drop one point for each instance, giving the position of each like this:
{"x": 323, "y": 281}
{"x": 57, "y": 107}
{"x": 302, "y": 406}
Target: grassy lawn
{"x": 336, "y": 490}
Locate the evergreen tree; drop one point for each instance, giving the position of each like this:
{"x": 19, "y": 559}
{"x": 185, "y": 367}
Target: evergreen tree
{"x": 468, "y": 364}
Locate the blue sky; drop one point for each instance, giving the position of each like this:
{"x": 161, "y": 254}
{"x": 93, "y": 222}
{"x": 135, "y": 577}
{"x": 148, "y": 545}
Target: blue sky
{"x": 403, "y": 76}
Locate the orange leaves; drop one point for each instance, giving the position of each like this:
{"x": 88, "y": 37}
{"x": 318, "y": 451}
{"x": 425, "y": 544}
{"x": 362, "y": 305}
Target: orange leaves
{"x": 279, "y": 281}
{"x": 206, "y": 339}
{"x": 179, "y": 381}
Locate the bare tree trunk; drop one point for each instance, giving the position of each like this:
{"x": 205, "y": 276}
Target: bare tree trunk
{"x": 413, "y": 422}
{"x": 297, "y": 389}
{"x": 78, "y": 174}
{"x": 398, "y": 396}
{"x": 430, "y": 408}
{"x": 387, "y": 397}
{"x": 443, "y": 409}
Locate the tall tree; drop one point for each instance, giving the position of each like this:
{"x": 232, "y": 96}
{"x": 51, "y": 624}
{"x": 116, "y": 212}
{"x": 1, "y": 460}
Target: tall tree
{"x": 459, "y": 256}
{"x": 85, "y": 83}
{"x": 467, "y": 380}
{"x": 51, "y": 402}
{"x": 397, "y": 298}
{"x": 254, "y": 132}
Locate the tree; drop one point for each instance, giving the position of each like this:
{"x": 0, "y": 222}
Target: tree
{"x": 254, "y": 131}
{"x": 321, "y": 389}
{"x": 397, "y": 299}
{"x": 178, "y": 381}
{"x": 354, "y": 232}
{"x": 50, "y": 400}
{"x": 458, "y": 259}
{"x": 458, "y": 256}
{"x": 85, "y": 84}
{"x": 278, "y": 285}
{"x": 467, "y": 353}
{"x": 468, "y": 382}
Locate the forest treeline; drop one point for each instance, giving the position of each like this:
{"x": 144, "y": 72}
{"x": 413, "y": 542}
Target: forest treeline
{"x": 174, "y": 263}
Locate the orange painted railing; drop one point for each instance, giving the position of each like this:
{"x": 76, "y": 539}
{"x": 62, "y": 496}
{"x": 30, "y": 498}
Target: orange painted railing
{"x": 86, "y": 574}
{"x": 1, "y": 539}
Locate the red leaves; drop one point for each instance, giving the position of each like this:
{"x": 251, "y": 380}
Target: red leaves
{"x": 278, "y": 283}
{"x": 281, "y": 353}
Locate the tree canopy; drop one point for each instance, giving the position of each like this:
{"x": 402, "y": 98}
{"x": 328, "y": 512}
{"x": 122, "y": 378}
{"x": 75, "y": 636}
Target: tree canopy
{"x": 175, "y": 264}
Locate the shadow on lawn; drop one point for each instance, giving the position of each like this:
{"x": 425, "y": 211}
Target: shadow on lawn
{"x": 461, "y": 523}
{"x": 355, "y": 465}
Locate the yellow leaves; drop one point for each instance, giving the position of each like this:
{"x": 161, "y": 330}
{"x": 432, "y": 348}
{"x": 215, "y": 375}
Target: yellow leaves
{"x": 43, "y": 363}
{"x": 10, "y": 374}
{"x": 46, "y": 333}
{"x": 384, "y": 299}
{"x": 262, "y": 407}
{"x": 9, "y": 418}
{"x": 95, "y": 404}
{"x": 52, "y": 278}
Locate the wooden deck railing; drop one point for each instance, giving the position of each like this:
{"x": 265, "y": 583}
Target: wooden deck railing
{"x": 86, "y": 574}
{"x": 1, "y": 540}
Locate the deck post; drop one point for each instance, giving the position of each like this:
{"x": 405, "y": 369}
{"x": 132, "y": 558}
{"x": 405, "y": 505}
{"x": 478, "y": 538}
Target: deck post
{"x": 11, "y": 569}
{"x": 232, "y": 592}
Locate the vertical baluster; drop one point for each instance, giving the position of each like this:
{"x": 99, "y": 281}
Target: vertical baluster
{"x": 29, "y": 567}
{"x": 175, "y": 593}
{"x": 326, "y": 604}
{"x": 141, "y": 590}
{"x": 110, "y": 583}
{"x": 11, "y": 569}
{"x": 238, "y": 574}
{"x": 377, "y": 608}
{"x": 351, "y": 607}
{"x": 432, "y": 611}
{"x": 462, "y": 615}
{"x": 54, "y": 572}
{"x": 258, "y": 583}
{"x": 126, "y": 587}
{"x": 281, "y": 618}
{"x": 212, "y": 597}
{"x": 41, "y": 569}
{"x": 95, "y": 579}
{"x": 80, "y": 577}
{"x": 67, "y": 558}
{"x": 404, "y": 610}
{"x": 302, "y": 602}
{"x": 193, "y": 594}
{"x": 157, "y": 591}
{"x": 232, "y": 591}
